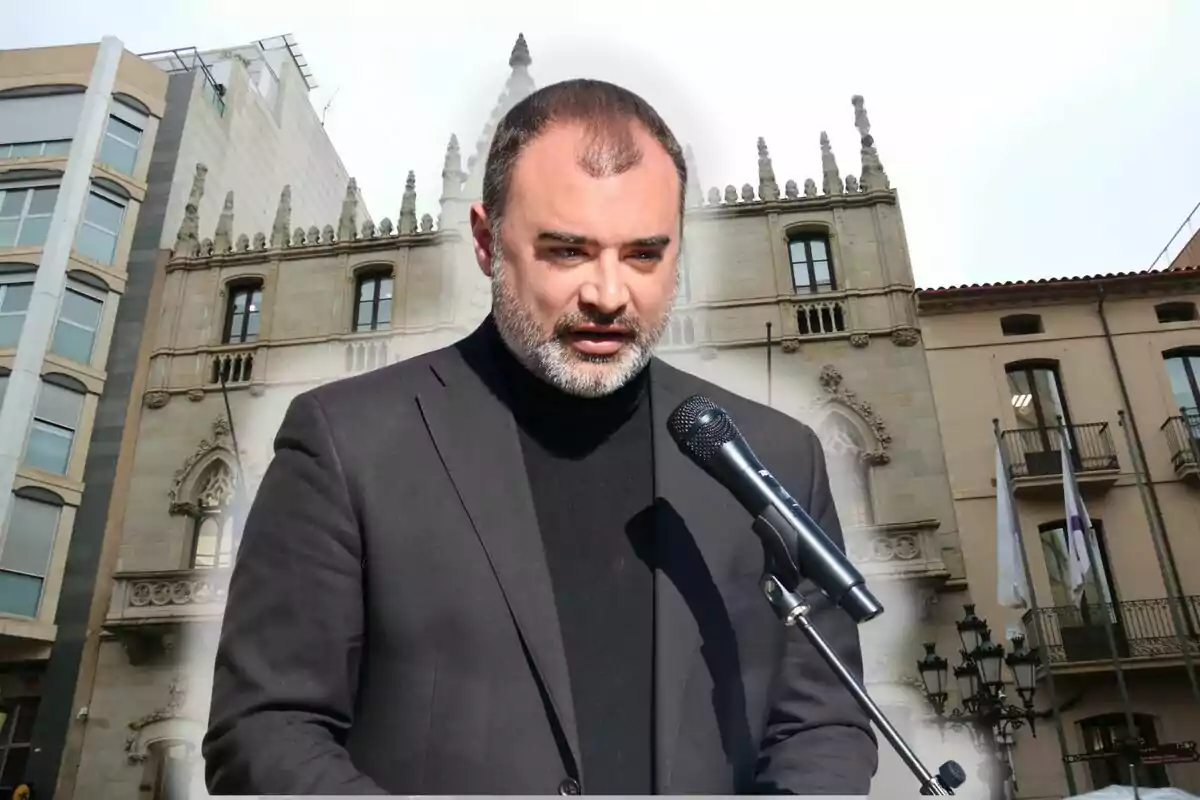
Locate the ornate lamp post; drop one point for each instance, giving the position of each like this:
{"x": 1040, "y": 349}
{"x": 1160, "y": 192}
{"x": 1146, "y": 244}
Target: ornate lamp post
{"x": 984, "y": 709}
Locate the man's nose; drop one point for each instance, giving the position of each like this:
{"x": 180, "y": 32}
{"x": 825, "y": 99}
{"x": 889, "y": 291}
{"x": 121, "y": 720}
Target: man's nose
{"x": 605, "y": 290}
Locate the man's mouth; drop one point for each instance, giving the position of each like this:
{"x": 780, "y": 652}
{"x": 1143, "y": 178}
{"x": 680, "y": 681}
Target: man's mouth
{"x": 599, "y": 341}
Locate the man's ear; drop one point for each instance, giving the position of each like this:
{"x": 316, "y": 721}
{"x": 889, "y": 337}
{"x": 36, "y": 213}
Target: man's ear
{"x": 482, "y": 241}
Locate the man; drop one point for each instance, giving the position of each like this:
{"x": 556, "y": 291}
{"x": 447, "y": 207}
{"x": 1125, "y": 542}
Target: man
{"x": 489, "y": 570}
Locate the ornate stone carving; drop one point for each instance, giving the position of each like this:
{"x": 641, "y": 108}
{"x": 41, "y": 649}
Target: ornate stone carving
{"x": 218, "y": 444}
{"x": 426, "y": 223}
{"x": 195, "y": 395}
{"x": 905, "y": 337}
{"x": 790, "y": 190}
{"x": 790, "y": 345}
{"x": 851, "y": 184}
{"x": 714, "y": 196}
{"x": 694, "y": 195}
{"x": 385, "y": 227}
{"x": 368, "y": 230}
{"x": 188, "y": 239}
{"x": 298, "y": 237}
{"x": 156, "y": 398}
{"x": 243, "y": 243}
{"x": 206, "y": 248}
{"x": 182, "y": 592}
{"x": 260, "y": 241}
{"x": 747, "y": 193}
{"x": 452, "y": 171}
{"x": 408, "y": 205}
{"x": 835, "y": 391}
{"x": 223, "y": 238}
{"x": 176, "y": 720}
{"x": 731, "y": 194}
{"x": 346, "y": 222}
{"x": 831, "y": 178}
{"x": 873, "y": 175}
{"x": 313, "y": 236}
{"x": 810, "y": 187}
{"x": 768, "y": 189}
{"x": 257, "y": 390}
{"x": 283, "y": 220}
{"x": 859, "y": 340}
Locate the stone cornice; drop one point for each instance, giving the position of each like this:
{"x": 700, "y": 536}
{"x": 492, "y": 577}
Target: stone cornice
{"x": 785, "y": 205}
{"x": 239, "y": 258}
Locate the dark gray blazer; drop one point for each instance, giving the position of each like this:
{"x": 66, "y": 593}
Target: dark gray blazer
{"x": 391, "y": 628}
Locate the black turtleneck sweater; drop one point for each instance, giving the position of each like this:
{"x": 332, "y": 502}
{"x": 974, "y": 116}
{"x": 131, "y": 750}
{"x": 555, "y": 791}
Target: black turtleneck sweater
{"x": 590, "y": 467}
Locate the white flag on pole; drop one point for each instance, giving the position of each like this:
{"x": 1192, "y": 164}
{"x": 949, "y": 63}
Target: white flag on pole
{"x": 1079, "y": 530}
{"x": 1012, "y": 590}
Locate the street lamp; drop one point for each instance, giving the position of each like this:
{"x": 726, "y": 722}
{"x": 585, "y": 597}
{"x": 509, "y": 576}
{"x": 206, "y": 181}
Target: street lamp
{"x": 980, "y": 680}
{"x": 983, "y": 708}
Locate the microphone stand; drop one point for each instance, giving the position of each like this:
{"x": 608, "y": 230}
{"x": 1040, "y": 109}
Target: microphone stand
{"x": 792, "y": 610}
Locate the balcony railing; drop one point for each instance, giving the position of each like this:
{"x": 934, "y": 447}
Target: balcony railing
{"x": 1037, "y": 453}
{"x": 232, "y": 366}
{"x": 1183, "y": 440}
{"x": 1143, "y": 629}
{"x": 363, "y": 355}
{"x": 820, "y": 317}
{"x": 140, "y": 599}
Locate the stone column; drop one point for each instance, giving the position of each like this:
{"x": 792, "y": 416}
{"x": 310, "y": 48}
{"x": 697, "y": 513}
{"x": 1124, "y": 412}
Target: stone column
{"x": 49, "y": 285}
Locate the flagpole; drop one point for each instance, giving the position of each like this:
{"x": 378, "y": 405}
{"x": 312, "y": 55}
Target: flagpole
{"x": 769, "y": 348}
{"x": 1173, "y": 591}
{"x": 1107, "y": 608}
{"x": 1035, "y": 612}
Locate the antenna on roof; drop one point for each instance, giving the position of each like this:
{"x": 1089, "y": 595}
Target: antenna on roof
{"x": 325, "y": 110}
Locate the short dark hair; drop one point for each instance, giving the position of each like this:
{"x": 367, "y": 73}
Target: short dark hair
{"x": 605, "y": 110}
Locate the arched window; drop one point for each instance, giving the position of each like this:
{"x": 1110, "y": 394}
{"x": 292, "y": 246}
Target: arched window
{"x": 1038, "y": 401}
{"x": 373, "y": 299}
{"x": 25, "y": 211}
{"x": 212, "y": 544}
{"x": 32, "y": 528}
{"x": 168, "y": 770}
{"x": 243, "y": 309}
{"x": 849, "y": 470}
{"x": 1105, "y": 733}
{"x": 1054, "y": 547}
{"x": 812, "y": 264}
{"x": 55, "y": 422}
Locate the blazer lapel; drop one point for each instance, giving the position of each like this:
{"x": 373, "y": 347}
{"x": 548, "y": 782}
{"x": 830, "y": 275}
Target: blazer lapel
{"x": 477, "y": 439}
{"x": 696, "y": 540}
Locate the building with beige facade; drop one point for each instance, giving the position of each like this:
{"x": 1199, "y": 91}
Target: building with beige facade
{"x": 272, "y": 304}
{"x": 105, "y": 158}
{"x": 1112, "y": 361}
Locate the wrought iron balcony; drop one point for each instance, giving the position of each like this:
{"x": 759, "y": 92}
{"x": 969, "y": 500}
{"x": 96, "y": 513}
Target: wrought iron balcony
{"x": 1143, "y": 629}
{"x": 1183, "y": 440}
{"x": 1034, "y": 455}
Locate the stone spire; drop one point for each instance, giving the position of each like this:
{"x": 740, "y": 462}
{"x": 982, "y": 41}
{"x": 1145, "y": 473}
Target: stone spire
{"x": 452, "y": 171}
{"x": 346, "y": 222}
{"x": 223, "y": 238}
{"x": 831, "y": 179}
{"x": 283, "y": 219}
{"x": 768, "y": 189}
{"x": 408, "y": 206}
{"x": 187, "y": 241}
{"x": 518, "y": 86}
{"x": 693, "y": 194}
{"x": 873, "y": 176}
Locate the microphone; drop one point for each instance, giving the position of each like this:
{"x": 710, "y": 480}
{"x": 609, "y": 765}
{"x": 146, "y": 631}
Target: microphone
{"x": 795, "y": 545}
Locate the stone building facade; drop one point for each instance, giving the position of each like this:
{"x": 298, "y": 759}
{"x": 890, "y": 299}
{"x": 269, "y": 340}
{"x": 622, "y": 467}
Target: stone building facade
{"x": 1114, "y": 362}
{"x": 800, "y": 294}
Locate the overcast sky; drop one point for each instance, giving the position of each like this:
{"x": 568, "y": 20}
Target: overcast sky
{"x": 1048, "y": 138}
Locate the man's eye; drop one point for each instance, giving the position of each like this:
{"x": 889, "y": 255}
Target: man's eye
{"x": 646, "y": 257}
{"x": 566, "y": 253}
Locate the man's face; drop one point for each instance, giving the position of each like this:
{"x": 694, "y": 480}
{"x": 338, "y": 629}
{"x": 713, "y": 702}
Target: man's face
{"x": 583, "y": 269}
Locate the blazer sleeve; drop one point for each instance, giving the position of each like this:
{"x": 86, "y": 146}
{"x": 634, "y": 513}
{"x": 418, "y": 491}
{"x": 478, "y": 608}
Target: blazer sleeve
{"x": 287, "y": 660}
{"x": 818, "y": 739}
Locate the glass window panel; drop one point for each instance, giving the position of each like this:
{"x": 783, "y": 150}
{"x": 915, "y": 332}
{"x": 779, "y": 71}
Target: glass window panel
{"x": 239, "y": 301}
{"x": 120, "y": 129}
{"x": 797, "y": 253}
{"x": 8, "y": 232}
{"x": 15, "y": 297}
{"x": 819, "y": 253}
{"x": 34, "y": 232}
{"x": 821, "y": 272}
{"x": 256, "y": 300}
{"x": 13, "y": 202}
{"x": 49, "y": 448}
{"x": 59, "y": 406}
{"x": 118, "y": 155}
{"x": 235, "y": 327}
{"x": 10, "y": 329}
{"x": 1022, "y": 399}
{"x": 26, "y": 149}
{"x": 73, "y": 342}
{"x": 1048, "y": 397}
{"x": 103, "y": 213}
{"x": 1181, "y": 386}
{"x": 60, "y": 148}
{"x": 207, "y": 535}
{"x": 43, "y": 201}
{"x": 30, "y": 536}
{"x": 20, "y": 594}
{"x": 364, "y": 315}
{"x": 385, "y": 312}
{"x": 366, "y": 289}
{"x": 385, "y": 289}
{"x": 27, "y": 708}
{"x": 252, "y": 326}
{"x": 81, "y": 309}
{"x": 96, "y": 244}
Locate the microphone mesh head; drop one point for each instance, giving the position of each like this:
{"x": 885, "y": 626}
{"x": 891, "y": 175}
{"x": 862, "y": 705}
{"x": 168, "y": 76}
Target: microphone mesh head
{"x": 700, "y": 427}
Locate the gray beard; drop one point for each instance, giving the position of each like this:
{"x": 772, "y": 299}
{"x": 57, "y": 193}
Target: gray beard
{"x": 553, "y": 359}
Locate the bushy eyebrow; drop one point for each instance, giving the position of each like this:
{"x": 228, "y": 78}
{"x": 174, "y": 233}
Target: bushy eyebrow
{"x": 559, "y": 237}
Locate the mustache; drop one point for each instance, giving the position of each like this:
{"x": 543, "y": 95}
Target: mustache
{"x": 574, "y": 320}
